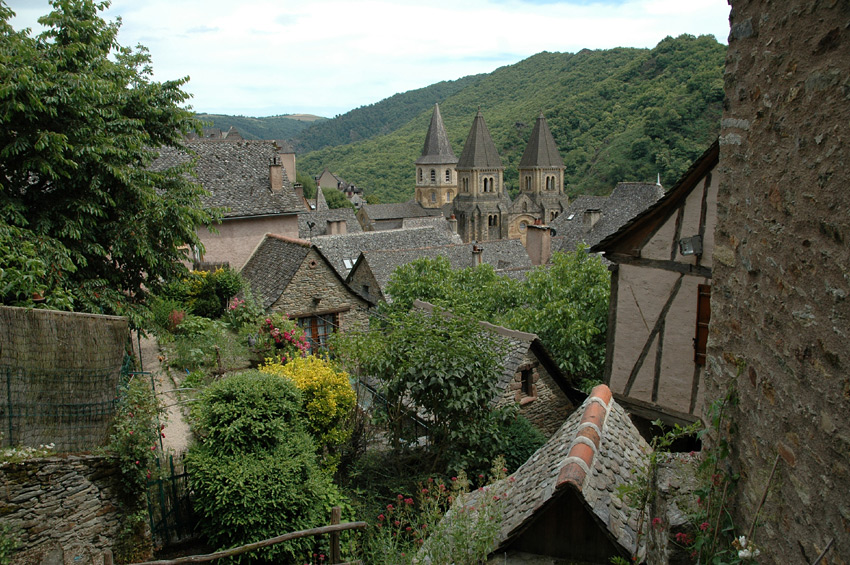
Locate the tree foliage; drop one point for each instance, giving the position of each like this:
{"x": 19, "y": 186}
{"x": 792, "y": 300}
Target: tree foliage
{"x": 564, "y": 303}
{"x": 617, "y": 115}
{"x": 81, "y": 123}
{"x": 336, "y": 199}
{"x": 286, "y": 126}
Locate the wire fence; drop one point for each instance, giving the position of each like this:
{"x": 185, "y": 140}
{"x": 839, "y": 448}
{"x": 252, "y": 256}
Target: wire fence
{"x": 59, "y": 376}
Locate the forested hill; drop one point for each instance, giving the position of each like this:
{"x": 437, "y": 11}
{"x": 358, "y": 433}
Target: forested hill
{"x": 272, "y": 127}
{"x": 619, "y": 114}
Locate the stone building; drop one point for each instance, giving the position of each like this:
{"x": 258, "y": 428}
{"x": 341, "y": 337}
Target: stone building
{"x": 436, "y": 178}
{"x": 293, "y": 276}
{"x": 780, "y": 316}
{"x": 660, "y": 299}
{"x": 394, "y": 216}
{"x": 251, "y": 182}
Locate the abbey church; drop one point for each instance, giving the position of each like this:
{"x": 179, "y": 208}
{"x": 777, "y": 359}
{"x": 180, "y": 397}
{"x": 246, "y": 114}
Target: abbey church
{"x": 471, "y": 189}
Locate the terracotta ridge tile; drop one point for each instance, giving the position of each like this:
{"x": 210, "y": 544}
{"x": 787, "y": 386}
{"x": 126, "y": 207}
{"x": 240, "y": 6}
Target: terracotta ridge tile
{"x": 295, "y": 240}
{"x": 584, "y": 446}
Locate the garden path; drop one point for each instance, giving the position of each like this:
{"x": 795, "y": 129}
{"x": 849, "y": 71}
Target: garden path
{"x": 177, "y": 431}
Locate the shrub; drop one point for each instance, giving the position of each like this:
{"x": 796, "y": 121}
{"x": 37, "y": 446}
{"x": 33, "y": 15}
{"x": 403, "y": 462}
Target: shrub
{"x": 135, "y": 436}
{"x": 280, "y": 339}
{"x": 254, "y": 471}
{"x": 520, "y": 440}
{"x": 247, "y": 412}
{"x": 327, "y": 399}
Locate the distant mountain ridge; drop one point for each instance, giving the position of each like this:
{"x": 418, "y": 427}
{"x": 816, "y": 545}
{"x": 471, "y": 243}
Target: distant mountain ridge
{"x": 622, "y": 114}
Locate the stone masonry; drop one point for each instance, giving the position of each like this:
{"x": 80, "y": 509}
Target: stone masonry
{"x": 61, "y": 509}
{"x": 780, "y": 307}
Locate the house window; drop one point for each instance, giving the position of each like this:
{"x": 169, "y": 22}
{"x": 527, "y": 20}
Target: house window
{"x": 433, "y": 175}
{"x": 317, "y": 329}
{"x": 448, "y": 175}
{"x": 703, "y": 317}
{"x": 527, "y": 382}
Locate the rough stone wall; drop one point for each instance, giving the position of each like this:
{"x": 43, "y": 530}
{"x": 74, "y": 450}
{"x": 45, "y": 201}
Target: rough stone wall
{"x": 315, "y": 278}
{"x": 780, "y": 305}
{"x": 548, "y": 407}
{"x": 61, "y": 509}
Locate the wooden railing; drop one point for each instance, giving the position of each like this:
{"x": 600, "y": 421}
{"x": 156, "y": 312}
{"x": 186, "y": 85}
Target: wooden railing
{"x": 334, "y": 529}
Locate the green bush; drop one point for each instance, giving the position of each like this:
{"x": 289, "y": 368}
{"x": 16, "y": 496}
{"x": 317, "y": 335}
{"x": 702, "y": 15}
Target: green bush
{"x": 254, "y": 472}
{"x": 247, "y": 412}
{"x": 521, "y": 439}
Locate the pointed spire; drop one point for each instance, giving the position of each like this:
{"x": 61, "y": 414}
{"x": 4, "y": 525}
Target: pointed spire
{"x": 541, "y": 151}
{"x": 321, "y": 203}
{"x": 479, "y": 151}
{"x": 437, "y": 149}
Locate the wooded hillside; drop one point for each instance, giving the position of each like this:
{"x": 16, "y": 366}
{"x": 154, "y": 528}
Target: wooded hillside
{"x": 619, "y": 114}
{"x": 272, "y": 127}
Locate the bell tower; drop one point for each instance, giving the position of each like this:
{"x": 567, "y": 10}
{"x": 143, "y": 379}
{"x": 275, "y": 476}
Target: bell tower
{"x": 436, "y": 178}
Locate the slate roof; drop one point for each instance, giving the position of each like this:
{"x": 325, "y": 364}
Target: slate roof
{"x": 437, "y": 149}
{"x": 626, "y": 201}
{"x": 501, "y": 254}
{"x": 595, "y": 451}
{"x": 479, "y": 151}
{"x": 272, "y": 266}
{"x": 320, "y": 218}
{"x": 236, "y": 174}
{"x": 347, "y": 247}
{"x": 541, "y": 151}
{"x": 409, "y": 209}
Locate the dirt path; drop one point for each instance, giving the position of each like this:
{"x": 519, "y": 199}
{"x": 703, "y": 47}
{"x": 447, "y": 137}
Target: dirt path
{"x": 177, "y": 432}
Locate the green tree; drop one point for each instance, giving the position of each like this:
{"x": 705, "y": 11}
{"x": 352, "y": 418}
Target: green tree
{"x": 308, "y": 182}
{"x": 81, "y": 123}
{"x": 336, "y": 199}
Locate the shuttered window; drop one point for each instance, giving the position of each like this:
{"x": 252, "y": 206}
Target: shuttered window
{"x": 703, "y": 317}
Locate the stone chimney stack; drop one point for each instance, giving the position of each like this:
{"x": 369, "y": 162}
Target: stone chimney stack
{"x": 276, "y": 174}
{"x": 476, "y": 254}
{"x": 299, "y": 191}
{"x": 538, "y": 244}
{"x": 453, "y": 223}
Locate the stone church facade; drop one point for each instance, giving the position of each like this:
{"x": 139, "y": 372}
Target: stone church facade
{"x": 472, "y": 190}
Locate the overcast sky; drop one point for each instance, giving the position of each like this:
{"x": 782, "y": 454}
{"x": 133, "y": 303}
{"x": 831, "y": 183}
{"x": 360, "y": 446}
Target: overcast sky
{"x": 325, "y": 57}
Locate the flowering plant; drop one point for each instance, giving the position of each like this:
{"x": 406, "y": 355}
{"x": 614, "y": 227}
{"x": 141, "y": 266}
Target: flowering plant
{"x": 279, "y": 340}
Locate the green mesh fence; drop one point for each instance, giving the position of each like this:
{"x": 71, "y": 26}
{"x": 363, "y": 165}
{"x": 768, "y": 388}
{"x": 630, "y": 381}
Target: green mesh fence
{"x": 59, "y": 376}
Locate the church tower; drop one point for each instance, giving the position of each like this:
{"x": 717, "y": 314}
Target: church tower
{"x": 482, "y": 203}
{"x": 541, "y": 182}
{"x": 436, "y": 179}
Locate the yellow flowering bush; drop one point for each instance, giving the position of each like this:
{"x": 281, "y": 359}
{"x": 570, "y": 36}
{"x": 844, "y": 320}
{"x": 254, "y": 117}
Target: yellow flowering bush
{"x": 327, "y": 399}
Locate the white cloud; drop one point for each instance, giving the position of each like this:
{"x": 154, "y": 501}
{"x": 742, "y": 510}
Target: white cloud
{"x": 326, "y": 57}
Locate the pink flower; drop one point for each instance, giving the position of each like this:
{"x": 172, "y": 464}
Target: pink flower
{"x": 390, "y": 507}
{"x": 400, "y": 497}
{"x": 380, "y": 517}
{"x": 703, "y": 526}
{"x": 408, "y": 501}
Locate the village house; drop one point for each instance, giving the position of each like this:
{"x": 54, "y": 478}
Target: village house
{"x": 250, "y": 181}
{"x": 660, "y": 299}
{"x": 563, "y": 502}
{"x": 329, "y": 180}
{"x": 373, "y": 269}
{"x": 374, "y": 217}
{"x": 322, "y": 220}
{"x": 293, "y": 277}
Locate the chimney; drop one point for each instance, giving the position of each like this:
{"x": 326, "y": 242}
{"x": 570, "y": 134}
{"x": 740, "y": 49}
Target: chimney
{"x": 476, "y": 254}
{"x": 591, "y": 216}
{"x": 299, "y": 191}
{"x": 453, "y": 224}
{"x": 276, "y": 174}
{"x": 538, "y": 244}
{"x": 337, "y": 227}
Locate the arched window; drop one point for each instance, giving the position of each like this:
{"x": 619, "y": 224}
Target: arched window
{"x": 449, "y": 195}
{"x": 528, "y": 183}
{"x": 448, "y": 175}
{"x": 550, "y": 183}
{"x": 433, "y": 196}
{"x": 488, "y": 184}
{"x": 420, "y": 174}
{"x": 466, "y": 185}
{"x": 433, "y": 175}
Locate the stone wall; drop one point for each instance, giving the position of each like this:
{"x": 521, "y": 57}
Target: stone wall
{"x": 547, "y": 407}
{"x": 61, "y": 509}
{"x": 780, "y": 311}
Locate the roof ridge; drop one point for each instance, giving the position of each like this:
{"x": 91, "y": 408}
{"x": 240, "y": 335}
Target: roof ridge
{"x": 287, "y": 239}
{"x": 588, "y": 437}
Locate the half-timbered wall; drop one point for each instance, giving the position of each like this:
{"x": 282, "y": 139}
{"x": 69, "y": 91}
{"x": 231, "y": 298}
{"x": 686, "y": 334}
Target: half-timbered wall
{"x": 651, "y": 362}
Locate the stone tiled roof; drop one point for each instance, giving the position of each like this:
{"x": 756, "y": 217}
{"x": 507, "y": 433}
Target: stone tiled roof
{"x": 320, "y": 218}
{"x": 501, "y": 254}
{"x": 595, "y": 451}
{"x": 236, "y": 174}
{"x": 347, "y": 247}
{"x": 437, "y": 149}
{"x": 479, "y": 151}
{"x": 626, "y": 201}
{"x": 272, "y": 266}
{"x": 541, "y": 151}
{"x": 409, "y": 209}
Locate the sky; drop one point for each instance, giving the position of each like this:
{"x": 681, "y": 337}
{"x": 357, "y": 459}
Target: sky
{"x": 326, "y": 57}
